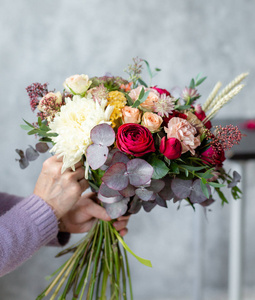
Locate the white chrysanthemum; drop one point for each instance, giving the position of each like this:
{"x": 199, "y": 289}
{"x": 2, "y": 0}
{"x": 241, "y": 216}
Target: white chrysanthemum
{"x": 73, "y": 125}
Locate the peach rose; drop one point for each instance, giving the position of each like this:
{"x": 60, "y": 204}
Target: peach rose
{"x": 77, "y": 84}
{"x": 184, "y": 132}
{"x": 151, "y": 121}
{"x": 131, "y": 115}
{"x": 152, "y": 98}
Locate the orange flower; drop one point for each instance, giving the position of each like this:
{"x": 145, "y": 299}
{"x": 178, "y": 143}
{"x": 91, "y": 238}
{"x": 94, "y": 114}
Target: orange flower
{"x": 151, "y": 121}
{"x": 131, "y": 115}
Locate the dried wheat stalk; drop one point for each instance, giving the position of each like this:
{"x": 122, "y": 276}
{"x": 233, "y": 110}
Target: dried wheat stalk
{"x": 226, "y": 90}
{"x": 212, "y": 96}
{"x": 224, "y": 100}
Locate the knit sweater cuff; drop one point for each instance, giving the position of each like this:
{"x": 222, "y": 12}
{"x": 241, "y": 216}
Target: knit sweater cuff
{"x": 42, "y": 216}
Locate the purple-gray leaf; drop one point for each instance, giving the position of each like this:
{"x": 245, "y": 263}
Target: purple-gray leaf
{"x": 23, "y": 162}
{"x": 236, "y": 178}
{"x": 31, "y": 154}
{"x": 115, "y": 177}
{"x": 102, "y": 134}
{"x": 119, "y": 157}
{"x": 197, "y": 195}
{"x": 42, "y": 147}
{"x": 181, "y": 187}
{"x": 115, "y": 210}
{"x": 144, "y": 194}
{"x": 166, "y": 193}
{"x": 160, "y": 201}
{"x": 107, "y": 195}
{"x": 135, "y": 205}
{"x": 156, "y": 185}
{"x": 96, "y": 155}
{"x": 129, "y": 191}
{"x": 148, "y": 205}
{"x": 139, "y": 171}
{"x": 207, "y": 202}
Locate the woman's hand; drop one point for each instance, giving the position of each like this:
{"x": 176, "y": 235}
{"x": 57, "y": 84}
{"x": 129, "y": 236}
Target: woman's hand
{"x": 81, "y": 217}
{"x": 60, "y": 191}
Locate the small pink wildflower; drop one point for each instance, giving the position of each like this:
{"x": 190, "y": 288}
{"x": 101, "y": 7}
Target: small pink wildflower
{"x": 227, "y": 136}
{"x": 189, "y": 93}
{"x": 164, "y": 106}
{"x": 35, "y": 92}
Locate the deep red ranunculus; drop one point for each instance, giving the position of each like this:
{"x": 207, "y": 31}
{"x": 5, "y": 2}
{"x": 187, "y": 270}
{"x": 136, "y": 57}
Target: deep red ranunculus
{"x": 171, "y": 148}
{"x": 175, "y": 113}
{"x": 134, "y": 139}
{"x": 201, "y": 116}
{"x": 213, "y": 157}
{"x": 161, "y": 91}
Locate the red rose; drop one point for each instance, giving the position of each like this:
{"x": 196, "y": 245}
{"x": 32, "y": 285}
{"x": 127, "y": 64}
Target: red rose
{"x": 134, "y": 139}
{"x": 213, "y": 157}
{"x": 171, "y": 148}
{"x": 174, "y": 113}
{"x": 201, "y": 116}
{"x": 161, "y": 91}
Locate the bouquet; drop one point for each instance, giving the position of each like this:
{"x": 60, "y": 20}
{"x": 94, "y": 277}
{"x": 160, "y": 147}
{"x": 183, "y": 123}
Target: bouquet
{"x": 141, "y": 146}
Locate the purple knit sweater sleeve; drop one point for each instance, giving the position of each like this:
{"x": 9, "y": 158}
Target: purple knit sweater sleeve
{"x": 25, "y": 225}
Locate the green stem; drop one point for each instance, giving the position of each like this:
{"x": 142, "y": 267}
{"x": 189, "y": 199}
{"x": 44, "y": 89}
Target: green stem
{"x": 90, "y": 260}
{"x": 116, "y": 261}
{"x": 124, "y": 293}
{"x": 128, "y": 274}
{"x": 98, "y": 250}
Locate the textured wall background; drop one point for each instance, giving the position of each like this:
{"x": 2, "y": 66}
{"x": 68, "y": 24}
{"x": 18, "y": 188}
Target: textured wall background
{"x": 47, "y": 41}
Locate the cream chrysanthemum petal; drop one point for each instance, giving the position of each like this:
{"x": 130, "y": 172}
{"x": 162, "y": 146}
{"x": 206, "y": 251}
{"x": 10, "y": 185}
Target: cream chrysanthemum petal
{"x": 73, "y": 125}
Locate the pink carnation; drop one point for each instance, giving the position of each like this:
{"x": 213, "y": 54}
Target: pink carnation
{"x": 184, "y": 132}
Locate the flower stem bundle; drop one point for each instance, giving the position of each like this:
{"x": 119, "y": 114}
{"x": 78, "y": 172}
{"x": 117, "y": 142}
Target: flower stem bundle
{"x": 97, "y": 262}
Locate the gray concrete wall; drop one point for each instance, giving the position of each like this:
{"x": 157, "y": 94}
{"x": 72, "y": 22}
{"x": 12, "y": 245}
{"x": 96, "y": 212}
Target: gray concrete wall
{"x": 47, "y": 41}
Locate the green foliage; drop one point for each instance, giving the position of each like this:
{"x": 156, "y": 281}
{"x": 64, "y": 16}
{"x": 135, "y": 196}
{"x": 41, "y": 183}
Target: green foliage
{"x": 150, "y": 72}
{"x": 41, "y": 130}
{"x": 160, "y": 168}
{"x": 141, "y": 98}
{"x": 197, "y": 81}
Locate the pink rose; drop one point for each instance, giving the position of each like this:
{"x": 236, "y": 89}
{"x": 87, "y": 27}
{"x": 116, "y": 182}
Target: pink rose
{"x": 152, "y": 98}
{"x": 134, "y": 139}
{"x": 161, "y": 91}
{"x": 213, "y": 156}
{"x": 184, "y": 132}
{"x": 131, "y": 115}
{"x": 200, "y": 114}
{"x": 151, "y": 121}
{"x": 171, "y": 148}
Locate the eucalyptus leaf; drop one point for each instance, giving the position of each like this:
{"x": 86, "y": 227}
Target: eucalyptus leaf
{"x": 41, "y": 147}
{"x": 96, "y": 161}
{"x": 102, "y": 134}
{"x": 117, "y": 209}
{"x": 25, "y": 127}
{"x": 116, "y": 177}
{"x": 31, "y": 154}
{"x": 181, "y": 188}
{"x": 142, "y": 82}
{"x": 160, "y": 169}
{"x": 139, "y": 171}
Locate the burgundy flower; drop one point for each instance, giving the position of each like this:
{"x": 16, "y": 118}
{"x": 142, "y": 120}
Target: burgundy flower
{"x": 171, "y": 148}
{"x": 175, "y": 113}
{"x": 201, "y": 116}
{"x": 134, "y": 139}
{"x": 213, "y": 156}
{"x": 161, "y": 91}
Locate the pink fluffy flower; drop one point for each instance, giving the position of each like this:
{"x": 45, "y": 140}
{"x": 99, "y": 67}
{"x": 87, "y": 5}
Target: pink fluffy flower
{"x": 184, "y": 132}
